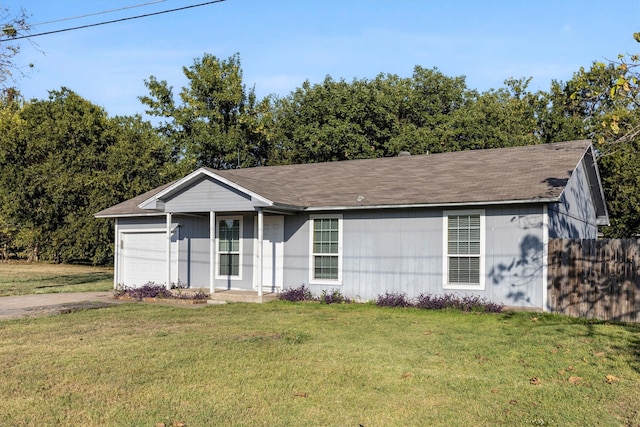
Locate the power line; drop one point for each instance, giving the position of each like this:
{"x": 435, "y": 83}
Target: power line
{"x": 113, "y": 21}
{"x": 96, "y": 13}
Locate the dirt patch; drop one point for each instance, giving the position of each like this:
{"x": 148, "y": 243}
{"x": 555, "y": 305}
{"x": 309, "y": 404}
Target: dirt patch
{"x": 51, "y": 310}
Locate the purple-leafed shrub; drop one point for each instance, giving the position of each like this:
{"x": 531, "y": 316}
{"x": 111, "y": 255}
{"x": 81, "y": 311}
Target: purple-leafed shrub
{"x": 200, "y": 295}
{"x": 493, "y": 307}
{"x": 333, "y": 297}
{"x": 435, "y": 302}
{"x": 393, "y": 299}
{"x": 467, "y": 303}
{"x": 301, "y": 293}
{"x": 149, "y": 290}
{"x": 197, "y": 295}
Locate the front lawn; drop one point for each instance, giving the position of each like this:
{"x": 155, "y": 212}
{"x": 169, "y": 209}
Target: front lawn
{"x": 20, "y": 278}
{"x": 310, "y": 364}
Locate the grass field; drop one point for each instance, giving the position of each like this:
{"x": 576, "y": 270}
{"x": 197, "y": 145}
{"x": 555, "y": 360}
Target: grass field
{"x": 20, "y": 278}
{"x": 310, "y": 364}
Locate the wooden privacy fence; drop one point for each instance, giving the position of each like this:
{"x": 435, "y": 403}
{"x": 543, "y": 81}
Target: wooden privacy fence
{"x": 595, "y": 278}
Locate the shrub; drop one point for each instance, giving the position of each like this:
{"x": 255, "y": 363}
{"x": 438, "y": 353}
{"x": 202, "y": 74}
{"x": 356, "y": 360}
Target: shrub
{"x": 152, "y": 290}
{"x": 301, "y": 293}
{"x": 197, "y": 295}
{"x": 333, "y": 297}
{"x": 467, "y": 303}
{"x": 493, "y": 307}
{"x": 149, "y": 290}
{"x": 200, "y": 294}
{"x": 179, "y": 285}
{"x": 393, "y": 299}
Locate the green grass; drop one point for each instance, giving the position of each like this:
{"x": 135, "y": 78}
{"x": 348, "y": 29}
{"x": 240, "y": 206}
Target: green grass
{"x": 310, "y": 364}
{"x": 21, "y": 278}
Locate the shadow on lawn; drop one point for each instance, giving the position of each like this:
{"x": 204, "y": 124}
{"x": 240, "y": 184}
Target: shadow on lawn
{"x": 72, "y": 279}
{"x": 631, "y": 344}
{"x": 628, "y": 346}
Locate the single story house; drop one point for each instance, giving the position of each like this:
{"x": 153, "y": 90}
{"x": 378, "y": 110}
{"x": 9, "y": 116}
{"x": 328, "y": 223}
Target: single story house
{"x": 470, "y": 222}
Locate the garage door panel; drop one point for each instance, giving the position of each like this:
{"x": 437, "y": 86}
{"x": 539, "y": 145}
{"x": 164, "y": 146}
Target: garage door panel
{"x": 144, "y": 258}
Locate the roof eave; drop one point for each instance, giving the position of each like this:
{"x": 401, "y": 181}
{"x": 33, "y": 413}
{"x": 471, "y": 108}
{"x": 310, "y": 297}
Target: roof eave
{"x": 434, "y": 205}
{"x": 129, "y": 215}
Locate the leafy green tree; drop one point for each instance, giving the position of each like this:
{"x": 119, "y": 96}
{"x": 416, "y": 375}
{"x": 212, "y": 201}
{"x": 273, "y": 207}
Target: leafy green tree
{"x": 425, "y": 106}
{"x": 428, "y": 112}
{"x": 496, "y": 118}
{"x": 9, "y": 121}
{"x": 618, "y": 136}
{"x": 601, "y": 103}
{"x": 217, "y": 122}
{"x": 334, "y": 120}
{"x": 337, "y": 120}
{"x": 63, "y": 159}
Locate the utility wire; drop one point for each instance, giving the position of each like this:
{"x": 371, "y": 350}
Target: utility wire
{"x": 96, "y": 13}
{"x": 113, "y": 21}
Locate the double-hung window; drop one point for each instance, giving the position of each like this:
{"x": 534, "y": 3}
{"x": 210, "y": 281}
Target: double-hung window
{"x": 464, "y": 246}
{"x": 229, "y": 247}
{"x": 326, "y": 248}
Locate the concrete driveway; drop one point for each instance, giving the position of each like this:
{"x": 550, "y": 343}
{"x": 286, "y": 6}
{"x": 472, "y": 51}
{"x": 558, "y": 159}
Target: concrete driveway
{"x": 15, "y": 307}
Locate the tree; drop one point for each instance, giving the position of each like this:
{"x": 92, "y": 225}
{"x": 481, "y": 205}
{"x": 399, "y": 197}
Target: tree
{"x": 217, "y": 122}
{"x": 426, "y": 113}
{"x": 63, "y": 159}
{"x": 601, "y": 103}
{"x": 496, "y": 118}
{"x": 337, "y": 120}
{"x": 12, "y": 25}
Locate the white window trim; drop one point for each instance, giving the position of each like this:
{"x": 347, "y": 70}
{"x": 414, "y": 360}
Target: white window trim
{"x": 445, "y": 249}
{"x": 218, "y": 253}
{"x": 312, "y": 280}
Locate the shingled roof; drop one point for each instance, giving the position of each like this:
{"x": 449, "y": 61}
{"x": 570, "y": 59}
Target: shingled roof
{"x": 501, "y": 175}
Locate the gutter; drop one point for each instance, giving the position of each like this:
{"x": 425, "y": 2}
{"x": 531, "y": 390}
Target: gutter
{"x": 433, "y": 205}
{"x": 276, "y": 206}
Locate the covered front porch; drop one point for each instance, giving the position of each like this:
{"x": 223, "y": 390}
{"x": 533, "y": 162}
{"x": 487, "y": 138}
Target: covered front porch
{"x": 239, "y": 252}
{"x": 202, "y": 232}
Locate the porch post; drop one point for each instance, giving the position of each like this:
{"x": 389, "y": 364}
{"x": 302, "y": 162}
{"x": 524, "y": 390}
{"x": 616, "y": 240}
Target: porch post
{"x": 260, "y": 239}
{"x": 212, "y": 252}
{"x": 117, "y": 256}
{"x": 168, "y": 285}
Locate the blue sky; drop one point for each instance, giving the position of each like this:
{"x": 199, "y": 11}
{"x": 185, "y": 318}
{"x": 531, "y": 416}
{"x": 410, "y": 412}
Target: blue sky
{"x": 282, "y": 43}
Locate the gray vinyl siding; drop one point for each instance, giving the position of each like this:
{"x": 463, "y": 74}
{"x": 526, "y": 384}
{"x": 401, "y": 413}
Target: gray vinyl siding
{"x": 575, "y": 215}
{"x": 389, "y": 250}
{"x": 142, "y": 223}
{"x": 402, "y": 251}
{"x": 514, "y": 255}
{"x": 392, "y": 251}
{"x": 193, "y": 267}
{"x": 207, "y": 194}
{"x": 296, "y": 250}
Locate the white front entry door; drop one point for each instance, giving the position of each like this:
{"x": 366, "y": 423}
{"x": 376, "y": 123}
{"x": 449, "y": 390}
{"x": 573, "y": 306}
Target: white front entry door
{"x": 272, "y": 254}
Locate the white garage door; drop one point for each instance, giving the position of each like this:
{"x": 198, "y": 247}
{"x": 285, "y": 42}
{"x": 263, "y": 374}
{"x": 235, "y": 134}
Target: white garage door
{"x": 144, "y": 258}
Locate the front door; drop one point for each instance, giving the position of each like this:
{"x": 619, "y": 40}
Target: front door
{"x": 272, "y": 254}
